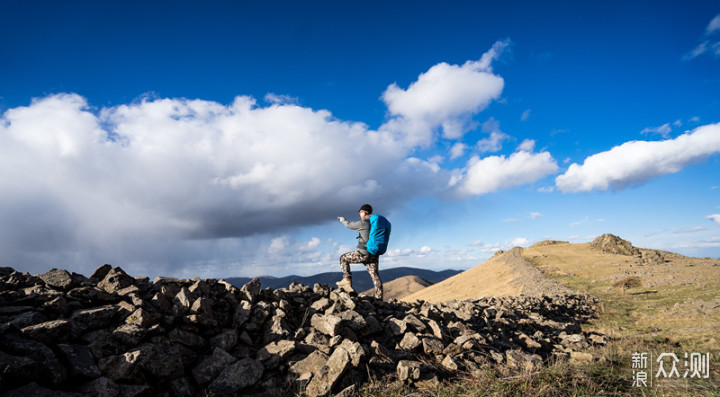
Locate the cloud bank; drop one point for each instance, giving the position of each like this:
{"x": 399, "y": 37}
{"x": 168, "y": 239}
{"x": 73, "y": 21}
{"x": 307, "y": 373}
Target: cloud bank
{"x": 178, "y": 182}
{"x": 636, "y": 162}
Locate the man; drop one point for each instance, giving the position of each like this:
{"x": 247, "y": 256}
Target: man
{"x": 361, "y": 255}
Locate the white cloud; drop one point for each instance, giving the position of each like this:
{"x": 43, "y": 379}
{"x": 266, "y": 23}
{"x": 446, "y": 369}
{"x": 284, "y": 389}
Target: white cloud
{"x": 636, "y": 162}
{"x": 534, "y": 215}
{"x": 663, "y": 130}
{"x": 520, "y": 241}
{"x": 446, "y": 96}
{"x": 714, "y": 217}
{"x": 711, "y": 40}
{"x": 493, "y": 143}
{"x": 525, "y": 115}
{"x": 277, "y": 99}
{"x": 690, "y": 230}
{"x": 279, "y": 245}
{"x": 546, "y": 189}
{"x": 528, "y": 145}
{"x": 457, "y": 150}
{"x": 494, "y": 173}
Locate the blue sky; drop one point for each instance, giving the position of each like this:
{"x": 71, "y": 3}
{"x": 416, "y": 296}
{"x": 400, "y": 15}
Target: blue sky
{"x": 223, "y": 138}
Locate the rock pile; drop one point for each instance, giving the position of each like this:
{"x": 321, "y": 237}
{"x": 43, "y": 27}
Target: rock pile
{"x": 116, "y": 335}
{"x": 612, "y": 244}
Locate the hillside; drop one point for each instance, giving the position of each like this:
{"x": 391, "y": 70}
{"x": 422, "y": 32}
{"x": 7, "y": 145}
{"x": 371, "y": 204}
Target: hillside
{"x": 506, "y": 274}
{"x": 670, "y": 305}
{"x": 400, "y": 287}
{"x": 361, "y": 278}
{"x": 677, "y": 297}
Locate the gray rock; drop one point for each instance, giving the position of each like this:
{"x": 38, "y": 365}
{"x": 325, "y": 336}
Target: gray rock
{"x": 409, "y": 342}
{"x": 310, "y": 364}
{"x": 225, "y": 340}
{"x": 35, "y": 390}
{"x": 396, "y": 327}
{"x": 101, "y": 387}
{"x": 273, "y": 353}
{"x": 49, "y": 331}
{"x": 186, "y": 338}
{"x": 327, "y": 324}
{"x": 143, "y": 317}
{"x": 96, "y": 318}
{"x": 26, "y": 319}
{"x": 162, "y": 360}
{"x": 432, "y": 346}
{"x": 415, "y": 323}
{"x": 242, "y": 313}
{"x": 101, "y": 272}
{"x": 59, "y": 279}
{"x": 408, "y": 371}
{"x": 210, "y": 367}
{"x": 129, "y": 335}
{"x": 16, "y": 370}
{"x": 81, "y": 360}
{"x": 202, "y": 307}
{"x": 355, "y": 351}
{"x": 329, "y": 375}
{"x": 320, "y": 305}
{"x": 92, "y": 294}
{"x": 238, "y": 376}
{"x": 251, "y": 290}
{"x": 182, "y": 387}
{"x": 124, "y": 367}
{"x": 135, "y": 390}
{"x": 449, "y": 363}
{"x": 181, "y": 302}
{"x": 115, "y": 280}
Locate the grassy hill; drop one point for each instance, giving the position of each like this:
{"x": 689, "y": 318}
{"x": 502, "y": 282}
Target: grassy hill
{"x": 674, "y": 307}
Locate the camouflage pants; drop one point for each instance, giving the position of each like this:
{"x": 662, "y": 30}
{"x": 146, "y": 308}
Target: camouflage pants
{"x": 371, "y": 262}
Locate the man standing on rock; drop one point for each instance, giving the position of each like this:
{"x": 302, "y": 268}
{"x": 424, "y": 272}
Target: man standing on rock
{"x": 361, "y": 255}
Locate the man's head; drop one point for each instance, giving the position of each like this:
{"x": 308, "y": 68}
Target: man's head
{"x": 365, "y": 210}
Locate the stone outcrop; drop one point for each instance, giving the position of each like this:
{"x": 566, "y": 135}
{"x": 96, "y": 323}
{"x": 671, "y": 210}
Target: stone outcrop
{"x": 117, "y": 335}
{"x": 612, "y": 244}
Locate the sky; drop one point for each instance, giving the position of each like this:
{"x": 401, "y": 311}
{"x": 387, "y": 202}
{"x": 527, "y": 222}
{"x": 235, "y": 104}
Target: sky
{"x": 224, "y": 138}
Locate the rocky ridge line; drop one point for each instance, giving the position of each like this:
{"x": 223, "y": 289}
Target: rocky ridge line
{"x": 111, "y": 334}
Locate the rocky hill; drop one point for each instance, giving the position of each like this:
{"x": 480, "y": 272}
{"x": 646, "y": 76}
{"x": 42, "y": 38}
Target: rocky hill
{"x": 111, "y": 334}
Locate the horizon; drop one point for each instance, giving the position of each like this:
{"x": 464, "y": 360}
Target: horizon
{"x": 222, "y": 140}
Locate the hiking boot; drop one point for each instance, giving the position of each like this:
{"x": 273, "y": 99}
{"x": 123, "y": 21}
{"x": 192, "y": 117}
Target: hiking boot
{"x": 346, "y": 285}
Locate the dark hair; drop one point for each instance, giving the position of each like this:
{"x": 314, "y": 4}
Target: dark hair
{"x": 367, "y": 208}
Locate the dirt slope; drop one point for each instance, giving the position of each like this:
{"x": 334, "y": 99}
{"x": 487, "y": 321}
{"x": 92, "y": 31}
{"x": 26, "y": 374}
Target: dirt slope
{"x": 506, "y": 274}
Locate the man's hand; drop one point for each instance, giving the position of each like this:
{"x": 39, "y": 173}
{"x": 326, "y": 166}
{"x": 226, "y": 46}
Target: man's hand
{"x": 341, "y": 218}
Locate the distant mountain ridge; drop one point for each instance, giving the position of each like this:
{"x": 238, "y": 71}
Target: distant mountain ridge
{"x": 361, "y": 278}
